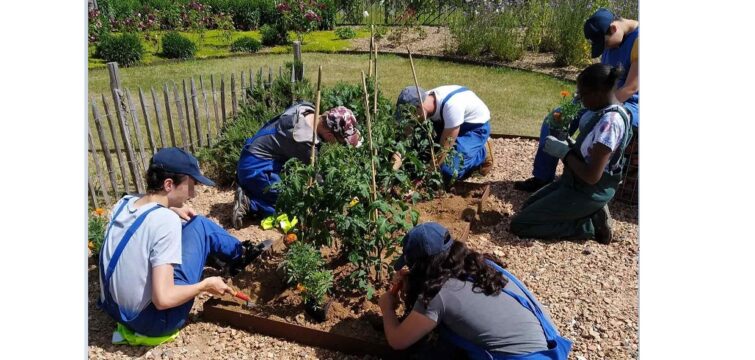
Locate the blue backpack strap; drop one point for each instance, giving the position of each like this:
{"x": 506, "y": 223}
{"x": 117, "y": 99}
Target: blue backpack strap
{"x": 119, "y": 249}
{"x": 443, "y": 104}
{"x": 107, "y": 233}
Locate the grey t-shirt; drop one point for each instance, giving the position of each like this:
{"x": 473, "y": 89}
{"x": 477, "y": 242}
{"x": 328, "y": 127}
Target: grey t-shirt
{"x": 496, "y": 322}
{"x": 292, "y": 137}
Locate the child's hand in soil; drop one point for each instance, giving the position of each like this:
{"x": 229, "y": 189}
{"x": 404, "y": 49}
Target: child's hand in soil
{"x": 215, "y": 285}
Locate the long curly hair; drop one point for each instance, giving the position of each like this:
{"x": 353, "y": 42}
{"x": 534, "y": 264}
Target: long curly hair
{"x": 428, "y": 274}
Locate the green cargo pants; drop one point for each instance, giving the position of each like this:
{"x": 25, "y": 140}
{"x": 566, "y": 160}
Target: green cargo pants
{"x": 562, "y": 210}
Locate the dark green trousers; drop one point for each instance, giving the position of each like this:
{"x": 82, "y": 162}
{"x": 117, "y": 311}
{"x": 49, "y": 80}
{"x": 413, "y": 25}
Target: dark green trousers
{"x": 562, "y": 210}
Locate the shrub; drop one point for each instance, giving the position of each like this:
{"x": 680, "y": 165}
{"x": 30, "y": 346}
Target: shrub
{"x": 345, "y": 33}
{"x": 537, "y": 16}
{"x": 177, "y": 46}
{"x": 301, "y": 260}
{"x": 570, "y": 16}
{"x": 506, "y": 40}
{"x": 274, "y": 35}
{"x": 124, "y": 49}
{"x": 96, "y": 230}
{"x": 246, "y": 15}
{"x": 246, "y": 44}
{"x": 316, "y": 286}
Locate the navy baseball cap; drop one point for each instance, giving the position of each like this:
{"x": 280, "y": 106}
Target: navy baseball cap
{"x": 409, "y": 96}
{"x": 596, "y": 28}
{"x": 427, "y": 239}
{"x": 179, "y": 161}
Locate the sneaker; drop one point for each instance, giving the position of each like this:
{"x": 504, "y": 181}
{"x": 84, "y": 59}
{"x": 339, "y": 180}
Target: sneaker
{"x": 602, "y": 222}
{"x": 240, "y": 207}
{"x": 530, "y": 185}
{"x": 487, "y": 165}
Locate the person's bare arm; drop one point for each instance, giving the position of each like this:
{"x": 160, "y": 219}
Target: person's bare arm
{"x": 402, "y": 335}
{"x": 447, "y": 141}
{"x": 632, "y": 84}
{"x": 166, "y": 294}
{"x": 590, "y": 173}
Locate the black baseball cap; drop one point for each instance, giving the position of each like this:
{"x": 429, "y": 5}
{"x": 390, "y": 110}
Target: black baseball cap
{"x": 179, "y": 161}
{"x": 596, "y": 28}
{"x": 426, "y": 239}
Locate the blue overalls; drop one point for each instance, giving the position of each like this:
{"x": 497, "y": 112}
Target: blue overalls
{"x": 200, "y": 237}
{"x": 558, "y": 346}
{"x": 563, "y": 209}
{"x": 255, "y": 175}
{"x": 470, "y": 145}
{"x": 544, "y": 167}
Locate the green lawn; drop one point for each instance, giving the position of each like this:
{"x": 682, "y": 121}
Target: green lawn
{"x": 215, "y": 45}
{"x": 518, "y": 100}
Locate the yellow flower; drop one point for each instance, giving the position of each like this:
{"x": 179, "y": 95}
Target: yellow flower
{"x": 353, "y": 202}
{"x": 99, "y": 211}
{"x": 565, "y": 93}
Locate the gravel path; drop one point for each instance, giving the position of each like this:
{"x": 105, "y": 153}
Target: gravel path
{"x": 589, "y": 289}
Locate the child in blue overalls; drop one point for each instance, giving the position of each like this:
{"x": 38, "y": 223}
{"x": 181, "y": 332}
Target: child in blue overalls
{"x": 150, "y": 263}
{"x": 480, "y": 309}
{"x": 286, "y": 136}
{"x": 461, "y": 121}
{"x": 576, "y": 206}
{"x": 616, "y": 41}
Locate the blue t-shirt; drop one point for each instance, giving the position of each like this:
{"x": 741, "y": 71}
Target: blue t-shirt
{"x": 623, "y": 57}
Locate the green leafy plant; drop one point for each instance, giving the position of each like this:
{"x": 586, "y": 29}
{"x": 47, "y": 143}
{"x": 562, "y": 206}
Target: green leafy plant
{"x": 125, "y": 49}
{"x": 177, "y": 46}
{"x": 246, "y": 44}
{"x": 559, "y": 119}
{"x": 570, "y": 16}
{"x": 274, "y": 35}
{"x": 345, "y": 33}
{"x": 96, "y": 230}
{"x": 301, "y": 260}
{"x": 316, "y": 286}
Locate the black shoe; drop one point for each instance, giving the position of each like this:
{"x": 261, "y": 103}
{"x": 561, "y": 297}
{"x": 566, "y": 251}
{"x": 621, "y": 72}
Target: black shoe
{"x": 249, "y": 253}
{"x": 530, "y": 185}
{"x": 602, "y": 222}
{"x": 240, "y": 206}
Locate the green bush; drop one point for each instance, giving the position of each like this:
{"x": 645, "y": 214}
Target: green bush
{"x": 246, "y": 15}
{"x": 569, "y": 19}
{"x": 246, "y": 44}
{"x": 301, "y": 261}
{"x": 96, "y": 230}
{"x": 273, "y": 35}
{"x": 177, "y": 46}
{"x": 506, "y": 40}
{"x": 345, "y": 33}
{"x": 499, "y": 34}
{"x": 537, "y": 16}
{"x": 124, "y": 49}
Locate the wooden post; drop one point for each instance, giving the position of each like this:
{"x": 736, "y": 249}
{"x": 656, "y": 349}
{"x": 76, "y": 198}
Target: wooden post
{"x": 297, "y": 60}
{"x": 215, "y": 103}
{"x": 375, "y": 84}
{"x": 243, "y": 88}
{"x": 159, "y": 118}
{"x": 234, "y": 102}
{"x": 137, "y": 130}
{"x": 188, "y": 116}
{"x": 117, "y": 146}
{"x": 171, "y": 126}
{"x": 150, "y": 137}
{"x": 181, "y": 125}
{"x": 97, "y": 168}
{"x": 126, "y": 137}
{"x": 293, "y": 85}
{"x": 206, "y": 111}
{"x": 222, "y": 97}
{"x": 259, "y": 78}
{"x": 105, "y": 148}
{"x": 269, "y": 76}
{"x": 251, "y": 82}
{"x": 372, "y": 45}
{"x": 197, "y": 119}
{"x": 317, "y": 118}
{"x": 424, "y": 114}
{"x": 280, "y": 71}
{"x": 91, "y": 193}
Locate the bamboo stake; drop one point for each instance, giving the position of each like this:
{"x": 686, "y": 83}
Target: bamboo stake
{"x": 369, "y": 137}
{"x": 146, "y": 121}
{"x": 160, "y": 126}
{"x": 137, "y": 130}
{"x": 105, "y": 148}
{"x": 424, "y": 114}
{"x": 372, "y": 45}
{"x": 206, "y": 110}
{"x": 181, "y": 124}
{"x": 197, "y": 119}
{"x": 375, "y": 84}
{"x": 188, "y": 116}
{"x": 317, "y": 117}
{"x": 171, "y": 126}
{"x": 215, "y": 103}
{"x": 119, "y": 153}
{"x": 222, "y": 96}
{"x": 293, "y": 84}
{"x": 97, "y": 168}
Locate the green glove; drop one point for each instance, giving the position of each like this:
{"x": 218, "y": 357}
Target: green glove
{"x": 555, "y": 147}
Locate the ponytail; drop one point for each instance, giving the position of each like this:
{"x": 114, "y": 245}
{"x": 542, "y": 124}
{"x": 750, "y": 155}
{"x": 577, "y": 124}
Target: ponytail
{"x": 600, "y": 77}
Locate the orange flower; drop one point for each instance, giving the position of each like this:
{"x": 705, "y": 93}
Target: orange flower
{"x": 300, "y": 287}
{"x": 565, "y": 93}
{"x": 99, "y": 211}
{"x": 290, "y": 239}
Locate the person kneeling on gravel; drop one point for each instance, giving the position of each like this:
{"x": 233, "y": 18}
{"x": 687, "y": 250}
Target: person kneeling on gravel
{"x": 576, "y": 205}
{"x": 481, "y": 310}
{"x": 461, "y": 121}
{"x": 151, "y": 261}
{"x": 286, "y": 136}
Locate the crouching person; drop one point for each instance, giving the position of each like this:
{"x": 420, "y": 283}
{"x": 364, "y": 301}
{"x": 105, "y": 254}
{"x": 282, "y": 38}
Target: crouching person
{"x": 151, "y": 263}
{"x": 481, "y": 310}
{"x": 576, "y": 206}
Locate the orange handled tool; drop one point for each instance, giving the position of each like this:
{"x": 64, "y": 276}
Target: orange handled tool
{"x": 247, "y": 301}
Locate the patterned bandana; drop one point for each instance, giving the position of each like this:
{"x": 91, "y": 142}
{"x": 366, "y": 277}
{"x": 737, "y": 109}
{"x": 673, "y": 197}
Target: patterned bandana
{"x": 344, "y": 124}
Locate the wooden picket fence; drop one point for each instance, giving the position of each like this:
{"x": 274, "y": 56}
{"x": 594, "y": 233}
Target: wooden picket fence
{"x": 188, "y": 113}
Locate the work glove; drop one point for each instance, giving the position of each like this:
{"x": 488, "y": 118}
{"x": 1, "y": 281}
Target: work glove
{"x": 555, "y": 147}
{"x": 248, "y": 253}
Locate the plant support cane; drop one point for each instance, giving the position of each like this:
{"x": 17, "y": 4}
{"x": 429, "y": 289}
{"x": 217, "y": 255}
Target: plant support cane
{"x": 424, "y": 115}
{"x": 314, "y": 123}
{"x": 369, "y": 136}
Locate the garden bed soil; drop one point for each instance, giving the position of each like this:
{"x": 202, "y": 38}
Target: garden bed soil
{"x": 590, "y": 290}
